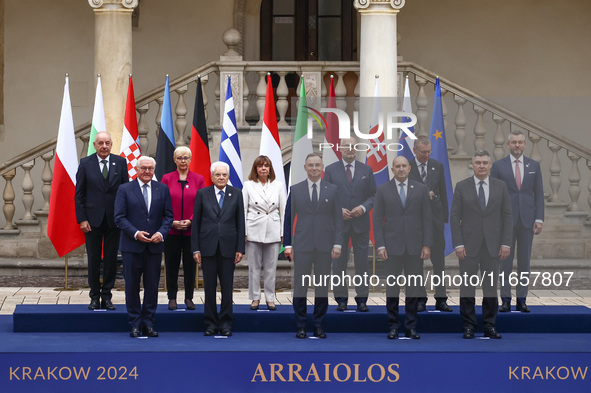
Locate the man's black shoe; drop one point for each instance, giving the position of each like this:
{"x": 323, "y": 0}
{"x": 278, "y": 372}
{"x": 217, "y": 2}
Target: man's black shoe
{"x": 301, "y": 333}
{"x": 135, "y": 332}
{"x": 393, "y": 334}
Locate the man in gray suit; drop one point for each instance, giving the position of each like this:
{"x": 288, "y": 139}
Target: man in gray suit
{"x": 523, "y": 178}
{"x": 316, "y": 241}
{"x": 357, "y": 187}
{"x": 481, "y": 229}
{"x": 430, "y": 172}
{"x": 403, "y": 235}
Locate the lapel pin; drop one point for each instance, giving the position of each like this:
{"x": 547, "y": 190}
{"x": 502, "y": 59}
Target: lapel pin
{"x": 411, "y": 186}
{"x": 326, "y": 200}
{"x": 229, "y": 195}
{"x": 432, "y": 168}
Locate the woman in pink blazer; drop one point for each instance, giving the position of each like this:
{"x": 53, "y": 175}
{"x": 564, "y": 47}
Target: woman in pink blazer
{"x": 183, "y": 185}
{"x": 264, "y": 209}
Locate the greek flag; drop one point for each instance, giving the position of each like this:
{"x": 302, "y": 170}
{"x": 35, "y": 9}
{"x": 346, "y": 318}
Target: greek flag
{"x": 230, "y": 148}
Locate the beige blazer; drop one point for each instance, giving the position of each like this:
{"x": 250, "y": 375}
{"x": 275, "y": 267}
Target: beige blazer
{"x": 264, "y": 211}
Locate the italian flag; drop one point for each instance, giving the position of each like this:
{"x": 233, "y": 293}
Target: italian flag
{"x": 270, "y": 144}
{"x": 62, "y": 228}
{"x": 302, "y": 146}
{"x": 98, "y": 116}
{"x": 130, "y": 148}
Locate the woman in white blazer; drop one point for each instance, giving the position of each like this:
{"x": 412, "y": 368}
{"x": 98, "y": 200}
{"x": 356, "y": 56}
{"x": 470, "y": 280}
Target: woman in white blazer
{"x": 264, "y": 208}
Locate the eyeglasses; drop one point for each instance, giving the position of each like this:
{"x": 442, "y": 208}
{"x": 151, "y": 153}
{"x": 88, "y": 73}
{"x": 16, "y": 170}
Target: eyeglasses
{"x": 185, "y": 158}
{"x": 147, "y": 168}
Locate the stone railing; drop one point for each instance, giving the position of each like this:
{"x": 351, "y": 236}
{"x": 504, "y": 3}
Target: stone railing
{"x": 477, "y": 125}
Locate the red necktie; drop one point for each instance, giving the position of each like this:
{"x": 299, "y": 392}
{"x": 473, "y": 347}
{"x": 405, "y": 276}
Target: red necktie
{"x": 349, "y": 173}
{"x": 517, "y": 175}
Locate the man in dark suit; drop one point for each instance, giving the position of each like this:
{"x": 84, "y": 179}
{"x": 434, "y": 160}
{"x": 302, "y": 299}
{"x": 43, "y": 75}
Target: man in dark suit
{"x": 523, "y": 178}
{"x": 316, "y": 241}
{"x": 481, "y": 228}
{"x": 430, "y": 172}
{"x": 403, "y": 236}
{"x": 217, "y": 242}
{"x": 143, "y": 211}
{"x": 97, "y": 181}
{"x": 357, "y": 187}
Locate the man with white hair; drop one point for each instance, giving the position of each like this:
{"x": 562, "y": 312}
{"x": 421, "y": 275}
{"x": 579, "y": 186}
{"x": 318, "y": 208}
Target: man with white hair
{"x": 217, "y": 242}
{"x": 143, "y": 211}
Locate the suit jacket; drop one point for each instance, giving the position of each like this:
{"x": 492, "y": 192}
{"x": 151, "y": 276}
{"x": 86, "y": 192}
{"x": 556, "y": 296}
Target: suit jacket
{"x": 95, "y": 196}
{"x": 264, "y": 212}
{"x": 183, "y": 199}
{"x": 131, "y": 215}
{"x": 398, "y": 227}
{"x": 527, "y": 203}
{"x": 361, "y": 191}
{"x": 321, "y": 228}
{"x": 213, "y": 226}
{"x": 436, "y": 183}
{"x": 470, "y": 226}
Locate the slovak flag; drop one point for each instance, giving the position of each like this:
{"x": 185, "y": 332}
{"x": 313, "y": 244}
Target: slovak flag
{"x": 377, "y": 157}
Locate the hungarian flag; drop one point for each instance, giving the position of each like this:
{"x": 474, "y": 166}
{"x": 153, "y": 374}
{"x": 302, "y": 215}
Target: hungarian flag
{"x": 62, "y": 228}
{"x": 302, "y": 146}
{"x": 130, "y": 147}
{"x": 98, "y": 116}
{"x": 166, "y": 145}
{"x": 270, "y": 144}
{"x": 201, "y": 160}
{"x": 331, "y": 134}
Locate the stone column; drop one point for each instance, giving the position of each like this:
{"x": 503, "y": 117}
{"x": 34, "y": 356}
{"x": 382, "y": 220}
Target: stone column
{"x": 377, "y": 47}
{"x": 112, "y": 59}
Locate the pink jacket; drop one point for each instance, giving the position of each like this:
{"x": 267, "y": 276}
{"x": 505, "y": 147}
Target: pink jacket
{"x": 183, "y": 200}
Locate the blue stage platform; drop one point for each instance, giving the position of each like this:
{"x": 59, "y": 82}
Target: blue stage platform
{"x": 548, "y": 350}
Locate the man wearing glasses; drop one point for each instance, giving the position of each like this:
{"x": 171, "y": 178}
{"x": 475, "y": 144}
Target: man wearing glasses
{"x": 143, "y": 212}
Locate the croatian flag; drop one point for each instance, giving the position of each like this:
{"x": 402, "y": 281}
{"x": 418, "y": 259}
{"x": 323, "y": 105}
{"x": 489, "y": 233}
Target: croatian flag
{"x": 230, "y": 148}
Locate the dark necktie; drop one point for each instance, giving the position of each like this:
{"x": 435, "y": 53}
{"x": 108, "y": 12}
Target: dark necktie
{"x": 349, "y": 173}
{"x": 145, "y": 192}
{"x": 481, "y": 197}
{"x": 314, "y": 196}
{"x": 221, "y": 202}
{"x": 105, "y": 169}
{"x": 423, "y": 173}
{"x": 402, "y": 194}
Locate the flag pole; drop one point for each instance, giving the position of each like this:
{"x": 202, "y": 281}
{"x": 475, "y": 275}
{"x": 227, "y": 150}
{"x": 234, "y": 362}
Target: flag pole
{"x": 66, "y": 273}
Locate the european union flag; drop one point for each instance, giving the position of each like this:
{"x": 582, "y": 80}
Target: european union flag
{"x": 439, "y": 153}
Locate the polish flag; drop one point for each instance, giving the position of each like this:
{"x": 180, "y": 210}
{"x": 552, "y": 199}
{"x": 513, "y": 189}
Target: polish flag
{"x": 130, "y": 147}
{"x": 62, "y": 228}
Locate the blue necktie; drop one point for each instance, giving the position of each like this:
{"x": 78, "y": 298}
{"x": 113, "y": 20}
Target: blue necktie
{"x": 145, "y": 192}
{"x": 481, "y": 196}
{"x": 402, "y": 194}
{"x": 314, "y": 196}
{"x": 221, "y": 202}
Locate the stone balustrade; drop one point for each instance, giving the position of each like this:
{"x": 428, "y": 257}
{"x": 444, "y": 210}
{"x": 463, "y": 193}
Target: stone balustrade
{"x": 472, "y": 122}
